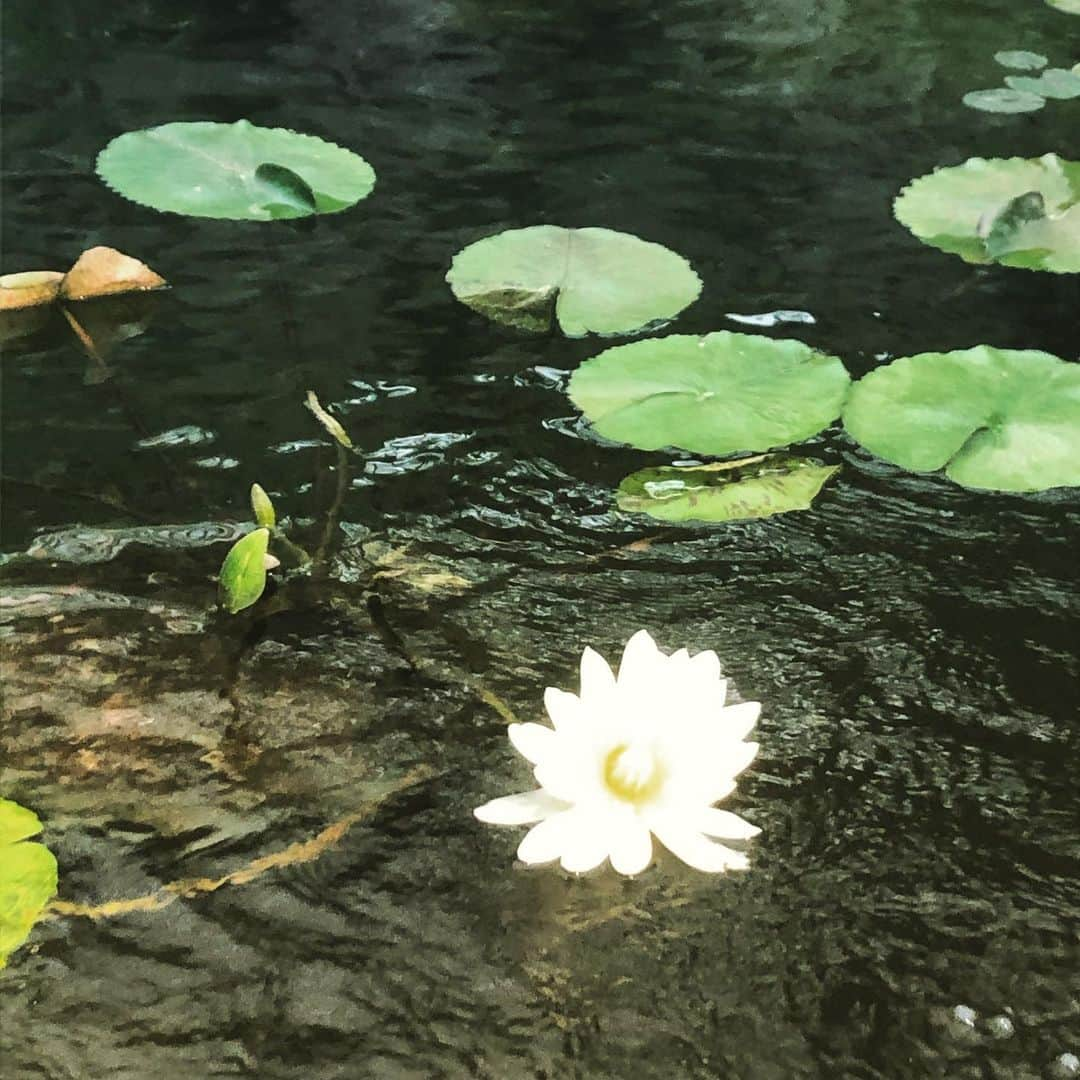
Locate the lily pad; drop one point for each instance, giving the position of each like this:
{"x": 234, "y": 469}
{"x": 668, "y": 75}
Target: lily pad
{"x": 586, "y": 280}
{"x": 1002, "y": 100}
{"x": 237, "y": 171}
{"x": 27, "y": 876}
{"x": 243, "y": 573}
{"x": 725, "y": 491}
{"x": 1070, "y": 7}
{"x": 1001, "y": 419}
{"x": 1052, "y": 83}
{"x": 1020, "y": 59}
{"x": 715, "y": 395}
{"x": 954, "y": 210}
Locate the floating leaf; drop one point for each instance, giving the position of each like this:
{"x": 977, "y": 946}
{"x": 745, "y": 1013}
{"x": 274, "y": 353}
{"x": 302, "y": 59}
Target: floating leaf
{"x": 29, "y": 289}
{"x": 587, "y": 280}
{"x": 104, "y": 271}
{"x": 243, "y": 573}
{"x": 1002, "y": 100}
{"x": 1070, "y": 7}
{"x": 949, "y": 209}
{"x": 27, "y": 876}
{"x": 1020, "y": 59}
{"x": 716, "y": 394}
{"x": 1052, "y": 83}
{"x": 333, "y": 428}
{"x": 236, "y": 171}
{"x": 262, "y": 508}
{"x": 1003, "y": 419}
{"x": 750, "y": 488}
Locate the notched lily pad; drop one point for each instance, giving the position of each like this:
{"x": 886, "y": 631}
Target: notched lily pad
{"x": 950, "y": 209}
{"x": 717, "y": 395}
{"x": 28, "y": 876}
{"x": 585, "y": 281}
{"x": 237, "y": 171}
{"x": 1000, "y": 419}
{"x": 755, "y": 487}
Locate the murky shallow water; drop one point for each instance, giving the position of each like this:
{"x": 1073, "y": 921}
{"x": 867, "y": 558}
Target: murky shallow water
{"x": 914, "y": 904}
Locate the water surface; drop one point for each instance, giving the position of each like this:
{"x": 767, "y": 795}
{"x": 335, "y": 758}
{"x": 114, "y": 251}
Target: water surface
{"x": 914, "y": 902}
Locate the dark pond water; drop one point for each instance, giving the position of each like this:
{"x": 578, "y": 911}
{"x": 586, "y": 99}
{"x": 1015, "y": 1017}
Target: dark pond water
{"x": 913, "y": 906}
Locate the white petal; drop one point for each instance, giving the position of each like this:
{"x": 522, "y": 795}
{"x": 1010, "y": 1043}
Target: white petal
{"x": 532, "y": 741}
{"x": 522, "y": 809}
{"x": 706, "y": 666}
{"x": 631, "y": 847}
{"x": 587, "y": 846}
{"x": 642, "y": 662}
{"x": 735, "y": 758}
{"x": 716, "y": 787}
{"x": 564, "y": 708}
{"x": 722, "y": 823}
{"x": 561, "y": 778}
{"x": 546, "y": 841}
{"x": 738, "y": 720}
{"x": 716, "y": 755}
{"x": 694, "y": 849}
{"x": 597, "y": 681}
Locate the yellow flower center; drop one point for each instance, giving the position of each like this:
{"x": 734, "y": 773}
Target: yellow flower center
{"x": 632, "y": 773}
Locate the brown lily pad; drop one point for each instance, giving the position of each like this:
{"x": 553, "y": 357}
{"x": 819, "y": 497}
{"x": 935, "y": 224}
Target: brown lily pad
{"x": 104, "y": 271}
{"x": 31, "y": 288}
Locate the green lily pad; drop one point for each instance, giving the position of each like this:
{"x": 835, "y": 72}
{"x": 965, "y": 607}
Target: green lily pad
{"x": 1002, "y": 100}
{"x": 586, "y": 280}
{"x": 243, "y": 573}
{"x": 1020, "y": 59}
{"x": 236, "y": 171}
{"x": 725, "y": 491}
{"x": 28, "y": 876}
{"x": 1052, "y": 83}
{"x": 715, "y": 395}
{"x": 1070, "y": 7}
{"x": 1001, "y": 419}
{"x": 954, "y": 210}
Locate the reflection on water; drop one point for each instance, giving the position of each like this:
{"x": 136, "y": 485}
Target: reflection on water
{"x": 913, "y": 903}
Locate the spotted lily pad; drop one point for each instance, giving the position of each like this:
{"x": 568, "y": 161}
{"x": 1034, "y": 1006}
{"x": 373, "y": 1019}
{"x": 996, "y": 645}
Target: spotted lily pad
{"x": 585, "y": 280}
{"x": 754, "y": 487}
{"x": 236, "y": 171}
{"x": 956, "y": 210}
{"x": 27, "y": 876}
{"x": 715, "y": 395}
{"x": 1002, "y": 419}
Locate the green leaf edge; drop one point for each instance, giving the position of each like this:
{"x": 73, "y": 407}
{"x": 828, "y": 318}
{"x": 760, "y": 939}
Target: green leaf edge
{"x": 254, "y": 221}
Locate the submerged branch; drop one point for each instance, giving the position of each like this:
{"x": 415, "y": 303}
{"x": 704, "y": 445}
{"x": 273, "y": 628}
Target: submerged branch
{"x": 187, "y": 888}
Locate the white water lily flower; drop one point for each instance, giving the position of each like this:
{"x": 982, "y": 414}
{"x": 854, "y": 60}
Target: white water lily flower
{"x": 645, "y": 754}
